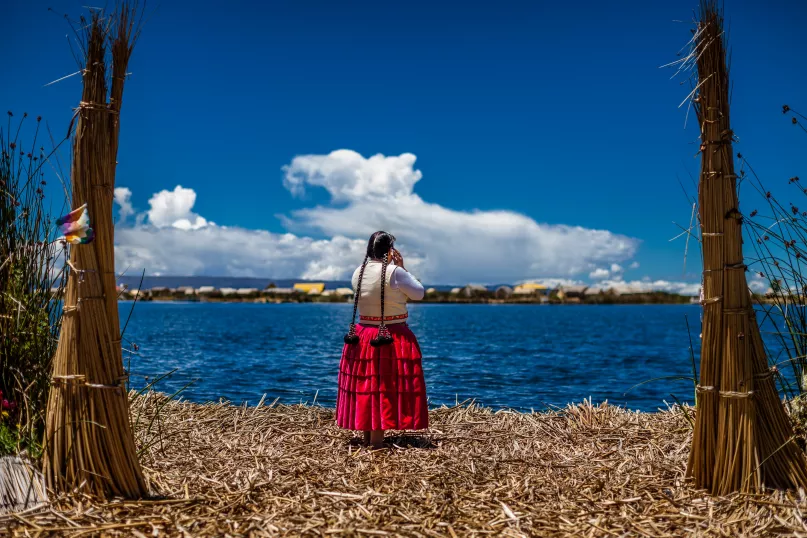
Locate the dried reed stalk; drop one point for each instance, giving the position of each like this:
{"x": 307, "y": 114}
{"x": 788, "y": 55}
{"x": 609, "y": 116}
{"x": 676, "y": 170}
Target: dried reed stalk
{"x": 586, "y": 471}
{"x": 89, "y": 443}
{"x": 22, "y": 486}
{"x": 742, "y": 439}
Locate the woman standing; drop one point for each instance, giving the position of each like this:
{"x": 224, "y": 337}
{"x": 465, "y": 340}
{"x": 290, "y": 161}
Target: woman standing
{"x": 381, "y": 385}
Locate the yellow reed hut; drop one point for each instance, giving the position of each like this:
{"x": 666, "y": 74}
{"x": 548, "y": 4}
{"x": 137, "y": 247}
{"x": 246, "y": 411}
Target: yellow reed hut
{"x": 311, "y": 288}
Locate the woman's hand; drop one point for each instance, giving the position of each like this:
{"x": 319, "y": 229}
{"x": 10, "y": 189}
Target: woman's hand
{"x": 396, "y": 258}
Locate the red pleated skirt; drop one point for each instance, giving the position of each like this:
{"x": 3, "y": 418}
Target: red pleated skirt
{"x": 382, "y": 388}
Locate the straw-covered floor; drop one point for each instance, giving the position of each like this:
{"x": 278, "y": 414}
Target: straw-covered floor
{"x": 279, "y": 470}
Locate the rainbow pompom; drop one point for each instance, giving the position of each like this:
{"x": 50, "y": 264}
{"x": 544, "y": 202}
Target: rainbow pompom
{"x": 75, "y": 227}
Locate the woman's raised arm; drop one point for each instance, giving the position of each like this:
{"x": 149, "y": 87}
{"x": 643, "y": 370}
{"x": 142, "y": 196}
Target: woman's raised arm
{"x": 403, "y": 280}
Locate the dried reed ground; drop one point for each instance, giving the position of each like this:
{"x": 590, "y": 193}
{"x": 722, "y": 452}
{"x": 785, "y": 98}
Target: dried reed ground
{"x": 280, "y": 470}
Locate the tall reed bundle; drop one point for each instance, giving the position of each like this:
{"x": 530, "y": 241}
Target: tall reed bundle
{"x": 89, "y": 442}
{"x": 742, "y": 439}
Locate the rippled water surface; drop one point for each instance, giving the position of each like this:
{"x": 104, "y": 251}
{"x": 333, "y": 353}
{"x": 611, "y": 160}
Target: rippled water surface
{"x": 520, "y": 356}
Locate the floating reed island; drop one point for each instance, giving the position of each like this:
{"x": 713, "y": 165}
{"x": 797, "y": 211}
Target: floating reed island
{"x": 470, "y": 294}
{"x": 276, "y": 470}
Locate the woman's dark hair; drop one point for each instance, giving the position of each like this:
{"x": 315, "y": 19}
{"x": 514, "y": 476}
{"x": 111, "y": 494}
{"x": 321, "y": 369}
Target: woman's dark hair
{"x": 378, "y": 248}
{"x": 379, "y": 245}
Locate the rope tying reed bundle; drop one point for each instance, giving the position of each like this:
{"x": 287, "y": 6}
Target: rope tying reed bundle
{"x": 728, "y": 266}
{"x": 80, "y": 379}
{"x": 77, "y": 306}
{"x": 737, "y": 395}
{"x": 103, "y": 107}
{"x": 68, "y": 378}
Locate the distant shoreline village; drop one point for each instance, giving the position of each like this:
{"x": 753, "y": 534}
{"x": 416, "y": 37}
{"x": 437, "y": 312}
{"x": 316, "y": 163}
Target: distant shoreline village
{"x": 340, "y": 292}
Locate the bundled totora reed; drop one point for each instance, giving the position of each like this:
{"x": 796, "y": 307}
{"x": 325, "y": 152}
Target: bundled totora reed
{"x": 743, "y": 439}
{"x": 89, "y": 443}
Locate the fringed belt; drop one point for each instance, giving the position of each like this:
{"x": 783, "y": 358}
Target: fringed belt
{"x": 387, "y": 318}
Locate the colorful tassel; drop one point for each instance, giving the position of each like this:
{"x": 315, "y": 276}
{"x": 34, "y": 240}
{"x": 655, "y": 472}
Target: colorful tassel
{"x": 75, "y": 227}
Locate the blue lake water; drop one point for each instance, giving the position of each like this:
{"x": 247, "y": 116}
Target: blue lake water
{"x": 519, "y": 356}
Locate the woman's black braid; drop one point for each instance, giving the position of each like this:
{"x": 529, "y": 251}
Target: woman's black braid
{"x": 384, "y": 337}
{"x": 351, "y": 337}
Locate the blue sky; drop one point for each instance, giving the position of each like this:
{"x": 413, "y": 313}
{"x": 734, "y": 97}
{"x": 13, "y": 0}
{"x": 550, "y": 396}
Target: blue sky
{"x": 555, "y": 113}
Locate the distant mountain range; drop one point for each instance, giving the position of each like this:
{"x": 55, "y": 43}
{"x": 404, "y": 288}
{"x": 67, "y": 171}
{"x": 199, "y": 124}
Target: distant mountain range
{"x": 149, "y": 282}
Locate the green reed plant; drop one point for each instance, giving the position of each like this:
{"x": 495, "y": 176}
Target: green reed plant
{"x": 778, "y": 235}
{"x": 32, "y": 278}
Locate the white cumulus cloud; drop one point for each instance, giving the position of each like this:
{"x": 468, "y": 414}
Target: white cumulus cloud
{"x": 758, "y": 284}
{"x": 173, "y": 209}
{"x": 225, "y": 251}
{"x": 440, "y": 245}
{"x": 377, "y": 193}
{"x": 346, "y": 175}
{"x": 641, "y": 286}
{"x": 123, "y": 197}
{"x": 553, "y": 283}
